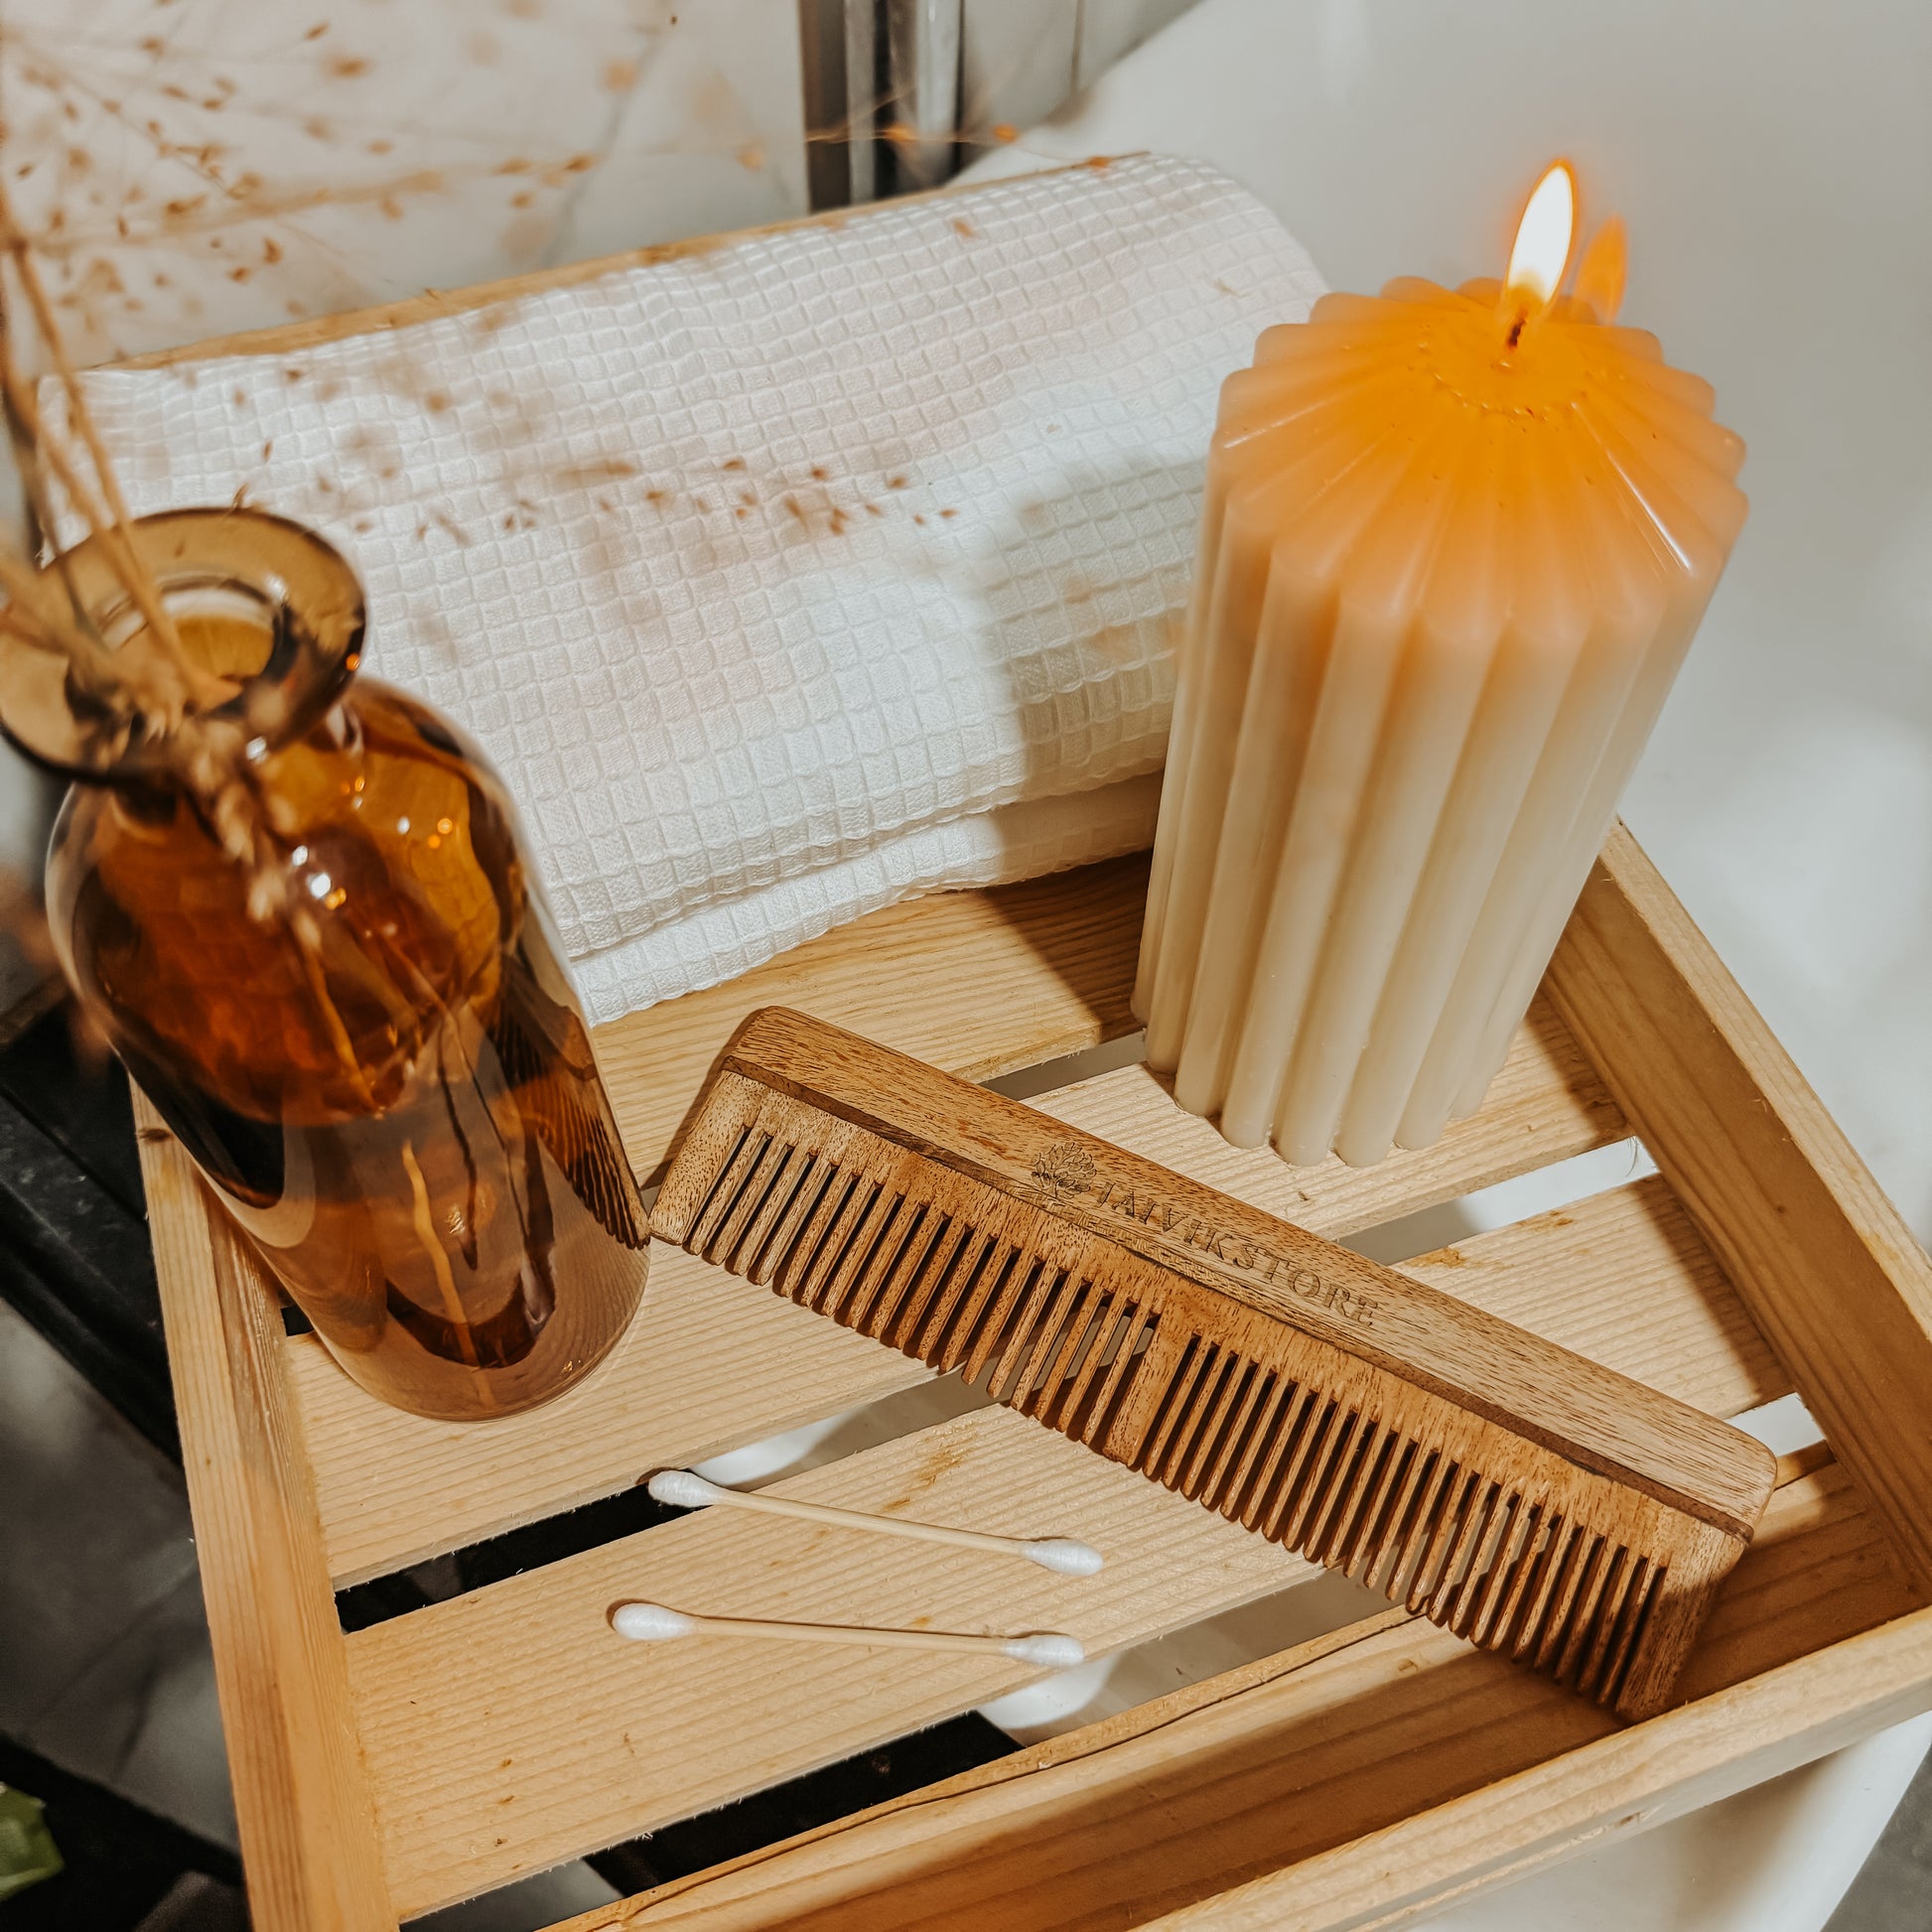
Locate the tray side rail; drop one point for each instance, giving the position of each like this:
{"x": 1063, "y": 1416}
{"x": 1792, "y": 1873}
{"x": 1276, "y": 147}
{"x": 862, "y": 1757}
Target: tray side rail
{"x": 1358, "y": 1781}
{"x": 302, "y": 1799}
{"x": 1824, "y": 1261}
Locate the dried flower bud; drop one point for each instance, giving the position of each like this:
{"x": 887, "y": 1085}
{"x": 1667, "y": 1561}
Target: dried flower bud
{"x": 268, "y": 897}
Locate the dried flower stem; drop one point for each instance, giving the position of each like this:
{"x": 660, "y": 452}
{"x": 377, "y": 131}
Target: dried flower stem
{"x": 79, "y": 415}
{"x": 188, "y": 681}
{"x": 111, "y": 525}
{"x": 36, "y": 615}
{"x": 157, "y": 681}
{"x": 150, "y": 680}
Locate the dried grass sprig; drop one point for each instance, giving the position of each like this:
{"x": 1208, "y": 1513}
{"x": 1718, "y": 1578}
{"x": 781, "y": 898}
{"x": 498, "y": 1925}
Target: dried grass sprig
{"x": 35, "y": 615}
{"x": 161, "y": 685}
{"x": 137, "y": 581}
{"x": 150, "y": 678}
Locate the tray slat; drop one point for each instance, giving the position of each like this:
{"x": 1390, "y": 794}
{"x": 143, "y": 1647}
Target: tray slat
{"x": 710, "y": 1364}
{"x": 1310, "y": 1752}
{"x": 1048, "y": 965}
{"x": 1615, "y": 1788}
{"x": 1544, "y": 1104}
{"x": 1625, "y": 1279}
{"x": 707, "y": 1364}
{"x": 498, "y": 1707}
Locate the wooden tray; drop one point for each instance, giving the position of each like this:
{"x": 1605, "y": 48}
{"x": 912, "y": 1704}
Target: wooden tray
{"x": 1354, "y": 1781}
{"x": 1351, "y": 1781}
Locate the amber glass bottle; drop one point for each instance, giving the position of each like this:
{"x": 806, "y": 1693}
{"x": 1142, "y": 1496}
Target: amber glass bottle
{"x": 386, "y": 1076}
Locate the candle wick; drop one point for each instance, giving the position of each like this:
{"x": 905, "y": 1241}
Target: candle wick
{"x": 1515, "y": 334}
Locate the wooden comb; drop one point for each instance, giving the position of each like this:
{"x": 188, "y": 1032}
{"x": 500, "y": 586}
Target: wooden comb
{"x": 1528, "y": 1500}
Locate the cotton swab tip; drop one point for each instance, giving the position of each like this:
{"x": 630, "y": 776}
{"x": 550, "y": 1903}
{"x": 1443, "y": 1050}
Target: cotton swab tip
{"x": 1047, "y": 1648}
{"x": 1064, "y": 1555}
{"x": 683, "y": 1489}
{"x": 649, "y": 1622}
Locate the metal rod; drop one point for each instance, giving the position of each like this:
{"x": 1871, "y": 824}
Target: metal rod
{"x": 923, "y": 43}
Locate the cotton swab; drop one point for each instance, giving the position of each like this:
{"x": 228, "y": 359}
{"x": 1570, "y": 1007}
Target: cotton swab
{"x": 657, "y": 1623}
{"x": 1060, "y": 1553}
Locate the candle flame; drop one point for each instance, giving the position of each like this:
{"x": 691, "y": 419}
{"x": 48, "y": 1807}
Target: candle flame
{"x": 1542, "y": 250}
{"x": 1599, "y": 280}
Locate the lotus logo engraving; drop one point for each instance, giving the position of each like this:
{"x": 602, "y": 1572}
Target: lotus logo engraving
{"x": 1062, "y": 1170}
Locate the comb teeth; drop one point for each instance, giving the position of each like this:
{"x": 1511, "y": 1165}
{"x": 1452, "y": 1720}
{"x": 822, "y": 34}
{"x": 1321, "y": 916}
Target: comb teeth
{"x": 844, "y": 1241}
{"x": 1352, "y": 1492}
{"x": 1461, "y": 1517}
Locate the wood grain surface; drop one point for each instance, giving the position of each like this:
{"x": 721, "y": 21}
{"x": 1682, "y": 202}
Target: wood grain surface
{"x": 1256, "y": 1779}
{"x": 440, "y": 1689}
{"x": 1595, "y": 1274}
{"x": 1826, "y": 1264}
{"x": 1049, "y": 964}
{"x": 302, "y": 1805}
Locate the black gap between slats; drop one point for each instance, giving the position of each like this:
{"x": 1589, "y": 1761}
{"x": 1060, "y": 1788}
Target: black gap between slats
{"x": 802, "y": 1804}
{"x": 479, "y": 1564}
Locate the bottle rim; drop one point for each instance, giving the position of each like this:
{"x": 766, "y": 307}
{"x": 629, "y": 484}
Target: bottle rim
{"x": 252, "y": 570}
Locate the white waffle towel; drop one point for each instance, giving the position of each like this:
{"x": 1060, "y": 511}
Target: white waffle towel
{"x": 787, "y": 576}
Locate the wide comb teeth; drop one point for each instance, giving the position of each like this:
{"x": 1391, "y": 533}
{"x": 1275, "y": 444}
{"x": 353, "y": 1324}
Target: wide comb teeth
{"x": 855, "y": 1241}
{"x": 1482, "y": 1525}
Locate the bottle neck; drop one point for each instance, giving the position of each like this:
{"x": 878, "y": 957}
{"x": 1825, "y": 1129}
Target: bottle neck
{"x": 268, "y": 614}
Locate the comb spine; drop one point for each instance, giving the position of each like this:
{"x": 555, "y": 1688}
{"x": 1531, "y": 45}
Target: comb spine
{"x": 1547, "y": 1394}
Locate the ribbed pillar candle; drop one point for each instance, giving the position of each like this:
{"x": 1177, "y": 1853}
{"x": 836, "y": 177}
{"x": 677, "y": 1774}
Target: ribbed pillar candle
{"x": 1454, "y": 547}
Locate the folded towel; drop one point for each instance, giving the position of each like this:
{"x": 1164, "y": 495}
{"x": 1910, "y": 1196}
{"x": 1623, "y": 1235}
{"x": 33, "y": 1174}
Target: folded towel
{"x": 786, "y": 576}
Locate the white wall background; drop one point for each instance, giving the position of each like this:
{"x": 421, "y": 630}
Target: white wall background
{"x": 199, "y": 166}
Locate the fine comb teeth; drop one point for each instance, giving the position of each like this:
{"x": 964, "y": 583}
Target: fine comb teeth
{"x": 1521, "y": 1496}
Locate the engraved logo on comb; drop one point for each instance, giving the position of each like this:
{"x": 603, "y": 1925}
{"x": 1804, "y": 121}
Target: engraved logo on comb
{"x": 1062, "y": 1170}
{"x": 1065, "y": 1171}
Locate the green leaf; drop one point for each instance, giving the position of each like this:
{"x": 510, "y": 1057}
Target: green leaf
{"x": 27, "y": 1851}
